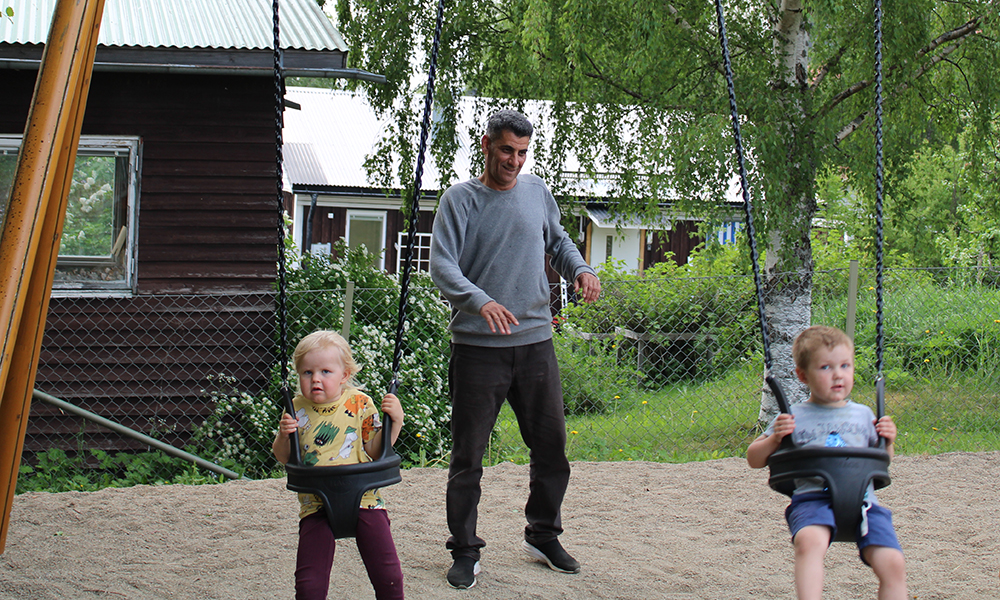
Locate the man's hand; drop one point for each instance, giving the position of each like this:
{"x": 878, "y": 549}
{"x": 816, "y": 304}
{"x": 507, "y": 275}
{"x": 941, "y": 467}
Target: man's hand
{"x": 587, "y": 286}
{"x": 499, "y": 318}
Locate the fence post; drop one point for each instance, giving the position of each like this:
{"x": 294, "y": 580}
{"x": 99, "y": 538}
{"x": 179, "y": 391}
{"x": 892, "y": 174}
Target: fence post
{"x": 348, "y": 308}
{"x": 852, "y": 299}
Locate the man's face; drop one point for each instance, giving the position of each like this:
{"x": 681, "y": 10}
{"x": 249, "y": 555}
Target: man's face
{"x": 504, "y": 158}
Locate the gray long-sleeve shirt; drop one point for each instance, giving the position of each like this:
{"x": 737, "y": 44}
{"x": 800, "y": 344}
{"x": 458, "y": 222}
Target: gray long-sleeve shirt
{"x": 491, "y": 245}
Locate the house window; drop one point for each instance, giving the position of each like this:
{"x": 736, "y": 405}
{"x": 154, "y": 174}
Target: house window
{"x": 97, "y": 249}
{"x": 367, "y": 228}
{"x": 421, "y": 260}
{"x": 609, "y": 246}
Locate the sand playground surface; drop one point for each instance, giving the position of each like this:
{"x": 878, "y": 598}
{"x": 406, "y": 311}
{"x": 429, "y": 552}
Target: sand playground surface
{"x": 708, "y": 530}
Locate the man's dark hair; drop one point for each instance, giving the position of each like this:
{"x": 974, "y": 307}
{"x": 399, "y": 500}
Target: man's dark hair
{"x": 508, "y": 120}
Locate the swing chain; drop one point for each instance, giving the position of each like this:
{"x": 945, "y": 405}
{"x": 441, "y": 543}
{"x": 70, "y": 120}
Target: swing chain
{"x": 279, "y": 105}
{"x": 741, "y": 162}
{"x": 281, "y": 299}
{"x": 415, "y": 205}
{"x": 879, "y": 319}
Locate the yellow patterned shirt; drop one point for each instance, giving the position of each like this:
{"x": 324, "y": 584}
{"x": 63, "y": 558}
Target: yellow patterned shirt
{"x": 334, "y": 434}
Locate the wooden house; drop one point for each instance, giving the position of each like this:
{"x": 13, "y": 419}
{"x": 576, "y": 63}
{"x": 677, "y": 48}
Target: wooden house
{"x": 169, "y": 288}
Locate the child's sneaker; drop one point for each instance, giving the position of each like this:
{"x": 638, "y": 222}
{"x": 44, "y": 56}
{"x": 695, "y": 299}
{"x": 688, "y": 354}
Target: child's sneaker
{"x": 554, "y": 555}
{"x": 462, "y": 574}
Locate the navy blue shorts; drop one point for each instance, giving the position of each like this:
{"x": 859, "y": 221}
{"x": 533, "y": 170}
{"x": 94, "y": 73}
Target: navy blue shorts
{"x": 817, "y": 509}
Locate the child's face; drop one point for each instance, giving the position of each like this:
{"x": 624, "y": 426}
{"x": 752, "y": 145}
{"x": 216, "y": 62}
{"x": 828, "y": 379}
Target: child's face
{"x": 830, "y": 375}
{"x": 322, "y": 375}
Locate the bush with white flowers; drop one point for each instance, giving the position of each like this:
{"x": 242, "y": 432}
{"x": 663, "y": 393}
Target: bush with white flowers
{"x": 242, "y": 426}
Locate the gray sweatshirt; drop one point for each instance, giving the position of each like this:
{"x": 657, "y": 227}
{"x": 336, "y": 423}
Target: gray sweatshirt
{"x": 491, "y": 245}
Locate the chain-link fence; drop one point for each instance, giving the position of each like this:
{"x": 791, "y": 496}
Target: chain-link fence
{"x": 658, "y": 369}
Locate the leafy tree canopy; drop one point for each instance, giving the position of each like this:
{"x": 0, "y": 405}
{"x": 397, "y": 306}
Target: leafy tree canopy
{"x": 637, "y": 89}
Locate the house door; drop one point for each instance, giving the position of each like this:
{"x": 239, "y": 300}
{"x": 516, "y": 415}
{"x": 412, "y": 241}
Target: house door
{"x": 367, "y": 228}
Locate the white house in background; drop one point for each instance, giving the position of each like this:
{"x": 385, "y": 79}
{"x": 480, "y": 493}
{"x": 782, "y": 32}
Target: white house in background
{"x": 327, "y": 140}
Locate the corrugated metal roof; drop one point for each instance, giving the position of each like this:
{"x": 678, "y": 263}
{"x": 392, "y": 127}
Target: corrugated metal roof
{"x": 224, "y": 24}
{"x": 302, "y": 166}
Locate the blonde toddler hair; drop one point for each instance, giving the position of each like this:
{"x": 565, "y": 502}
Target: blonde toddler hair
{"x": 324, "y": 338}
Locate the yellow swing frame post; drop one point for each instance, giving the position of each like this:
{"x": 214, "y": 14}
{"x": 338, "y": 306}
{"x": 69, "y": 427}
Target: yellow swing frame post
{"x": 33, "y": 226}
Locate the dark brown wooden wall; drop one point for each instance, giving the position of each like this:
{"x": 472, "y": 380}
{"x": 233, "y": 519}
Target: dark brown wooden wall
{"x": 680, "y": 240}
{"x": 207, "y": 205}
{"x": 149, "y": 363}
{"x": 207, "y": 228}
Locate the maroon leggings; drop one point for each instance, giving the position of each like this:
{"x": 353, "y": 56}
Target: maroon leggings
{"x": 317, "y": 546}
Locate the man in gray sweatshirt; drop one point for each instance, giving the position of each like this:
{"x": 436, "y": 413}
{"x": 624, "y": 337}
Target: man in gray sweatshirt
{"x": 491, "y": 235}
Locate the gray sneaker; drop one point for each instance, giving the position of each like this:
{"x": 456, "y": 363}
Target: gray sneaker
{"x": 462, "y": 574}
{"x": 552, "y": 553}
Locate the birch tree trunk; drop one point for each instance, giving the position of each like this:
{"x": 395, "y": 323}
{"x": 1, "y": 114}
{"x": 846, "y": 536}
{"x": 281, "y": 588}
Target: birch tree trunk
{"x": 788, "y": 269}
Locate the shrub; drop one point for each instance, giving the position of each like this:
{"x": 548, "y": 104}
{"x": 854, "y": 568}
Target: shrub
{"x": 689, "y": 322}
{"x": 590, "y": 371}
{"x": 242, "y": 426}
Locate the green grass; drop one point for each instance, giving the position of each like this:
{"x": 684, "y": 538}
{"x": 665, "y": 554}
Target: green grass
{"x": 678, "y": 423}
{"x": 718, "y": 419}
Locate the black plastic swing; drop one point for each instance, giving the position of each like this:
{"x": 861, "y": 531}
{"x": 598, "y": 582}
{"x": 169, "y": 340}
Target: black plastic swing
{"x": 846, "y": 471}
{"x": 341, "y": 487}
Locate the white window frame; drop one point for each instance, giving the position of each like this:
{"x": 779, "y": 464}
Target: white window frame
{"x": 369, "y": 215}
{"x": 421, "y": 247}
{"x": 95, "y": 145}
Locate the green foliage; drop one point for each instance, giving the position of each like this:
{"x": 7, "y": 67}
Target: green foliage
{"x": 675, "y": 322}
{"x": 935, "y": 328}
{"x": 593, "y": 377}
{"x": 241, "y": 427}
{"x": 85, "y": 471}
{"x": 243, "y": 424}
{"x": 90, "y": 210}
{"x": 659, "y": 126}
{"x": 941, "y": 212}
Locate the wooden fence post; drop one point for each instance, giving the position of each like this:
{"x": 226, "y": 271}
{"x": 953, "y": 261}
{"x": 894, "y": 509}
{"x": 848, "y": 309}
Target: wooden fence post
{"x": 852, "y": 299}
{"x": 348, "y": 309}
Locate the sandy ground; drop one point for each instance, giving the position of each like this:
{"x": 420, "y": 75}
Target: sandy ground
{"x": 709, "y": 530}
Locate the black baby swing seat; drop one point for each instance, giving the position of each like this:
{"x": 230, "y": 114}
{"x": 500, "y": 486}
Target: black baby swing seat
{"x": 846, "y": 471}
{"x": 341, "y": 487}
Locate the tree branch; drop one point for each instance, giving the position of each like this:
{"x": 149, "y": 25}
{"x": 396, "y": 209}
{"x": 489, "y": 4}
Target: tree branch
{"x": 596, "y": 74}
{"x": 858, "y": 120}
{"x": 959, "y": 34}
{"x": 697, "y": 37}
{"x": 829, "y": 66}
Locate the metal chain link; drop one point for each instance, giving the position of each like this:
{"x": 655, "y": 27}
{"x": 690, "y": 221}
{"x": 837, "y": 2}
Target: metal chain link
{"x": 879, "y": 318}
{"x": 279, "y": 105}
